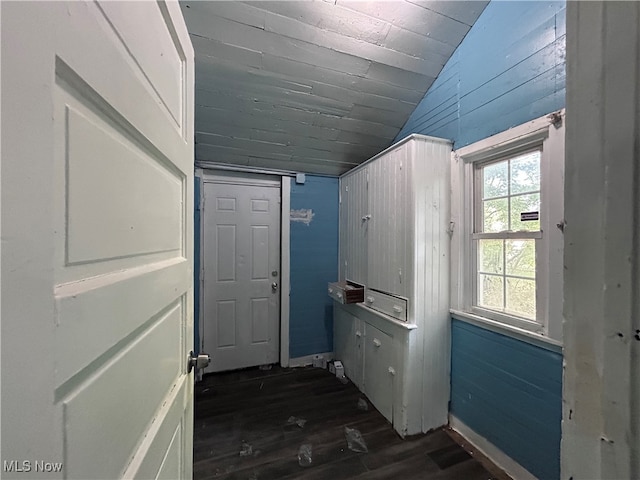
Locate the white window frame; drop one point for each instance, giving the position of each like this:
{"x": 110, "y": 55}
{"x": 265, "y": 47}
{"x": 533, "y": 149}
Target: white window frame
{"x": 546, "y": 133}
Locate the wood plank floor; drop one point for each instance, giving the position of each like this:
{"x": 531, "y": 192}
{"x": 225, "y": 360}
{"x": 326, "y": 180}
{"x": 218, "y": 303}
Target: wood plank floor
{"x": 240, "y": 432}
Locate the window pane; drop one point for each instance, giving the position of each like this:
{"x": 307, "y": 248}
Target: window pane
{"x": 490, "y": 256}
{"x": 495, "y": 214}
{"x": 525, "y": 173}
{"x": 521, "y": 204}
{"x": 494, "y": 180}
{"x": 521, "y": 297}
{"x": 521, "y": 258}
{"x": 490, "y": 292}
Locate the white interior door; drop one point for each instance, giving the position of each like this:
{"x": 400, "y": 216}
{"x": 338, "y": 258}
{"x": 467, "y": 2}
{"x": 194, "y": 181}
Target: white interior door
{"x": 241, "y": 255}
{"x": 97, "y": 240}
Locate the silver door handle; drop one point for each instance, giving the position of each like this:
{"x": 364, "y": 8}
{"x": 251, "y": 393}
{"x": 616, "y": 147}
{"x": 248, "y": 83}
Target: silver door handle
{"x": 198, "y": 362}
{"x": 274, "y": 287}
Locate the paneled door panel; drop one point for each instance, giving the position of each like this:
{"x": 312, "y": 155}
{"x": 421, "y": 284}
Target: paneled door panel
{"x": 355, "y": 225}
{"x": 241, "y": 255}
{"x": 97, "y": 188}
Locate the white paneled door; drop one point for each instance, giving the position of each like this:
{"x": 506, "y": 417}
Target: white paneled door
{"x": 241, "y": 255}
{"x": 97, "y": 240}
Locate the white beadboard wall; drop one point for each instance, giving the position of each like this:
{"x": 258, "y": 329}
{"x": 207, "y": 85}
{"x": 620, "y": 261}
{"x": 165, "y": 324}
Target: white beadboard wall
{"x": 404, "y": 250}
{"x": 430, "y": 292}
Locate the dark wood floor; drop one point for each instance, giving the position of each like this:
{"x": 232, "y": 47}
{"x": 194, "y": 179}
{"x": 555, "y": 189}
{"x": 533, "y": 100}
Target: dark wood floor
{"x": 240, "y": 432}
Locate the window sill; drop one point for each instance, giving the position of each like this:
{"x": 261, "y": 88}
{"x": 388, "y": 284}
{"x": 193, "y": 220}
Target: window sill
{"x": 508, "y": 330}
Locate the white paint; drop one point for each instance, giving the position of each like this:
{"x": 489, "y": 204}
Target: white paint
{"x": 302, "y": 215}
{"x": 549, "y": 244}
{"x": 105, "y": 306}
{"x": 241, "y": 252}
{"x": 601, "y": 397}
{"x": 497, "y": 456}
{"x": 285, "y": 274}
{"x": 394, "y": 221}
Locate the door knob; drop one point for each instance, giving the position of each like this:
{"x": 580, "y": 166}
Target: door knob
{"x": 197, "y": 361}
{"x": 274, "y": 287}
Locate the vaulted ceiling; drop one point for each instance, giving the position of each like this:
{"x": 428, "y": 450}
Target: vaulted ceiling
{"x": 314, "y": 86}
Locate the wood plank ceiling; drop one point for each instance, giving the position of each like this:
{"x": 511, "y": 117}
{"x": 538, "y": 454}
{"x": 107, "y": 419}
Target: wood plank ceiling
{"x": 314, "y": 86}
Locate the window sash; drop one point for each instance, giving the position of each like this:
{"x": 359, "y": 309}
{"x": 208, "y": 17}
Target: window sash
{"x": 477, "y": 198}
{"x": 478, "y": 185}
{"x": 534, "y": 325}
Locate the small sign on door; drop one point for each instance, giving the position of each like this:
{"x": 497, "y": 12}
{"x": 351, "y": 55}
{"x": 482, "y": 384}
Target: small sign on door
{"x": 529, "y": 216}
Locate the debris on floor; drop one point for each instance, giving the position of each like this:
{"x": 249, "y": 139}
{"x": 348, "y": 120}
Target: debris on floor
{"x": 266, "y": 367}
{"x": 305, "y": 455}
{"x": 247, "y": 450}
{"x": 296, "y": 421}
{"x": 363, "y": 405}
{"x": 355, "y": 442}
{"x": 319, "y": 361}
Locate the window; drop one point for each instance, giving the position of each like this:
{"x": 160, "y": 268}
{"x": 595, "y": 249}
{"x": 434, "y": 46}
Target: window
{"x": 507, "y": 239}
{"x": 507, "y": 224}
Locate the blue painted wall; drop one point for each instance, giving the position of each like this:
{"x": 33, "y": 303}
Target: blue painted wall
{"x": 314, "y": 263}
{"x": 196, "y": 265}
{"x": 510, "y": 392}
{"x": 509, "y": 69}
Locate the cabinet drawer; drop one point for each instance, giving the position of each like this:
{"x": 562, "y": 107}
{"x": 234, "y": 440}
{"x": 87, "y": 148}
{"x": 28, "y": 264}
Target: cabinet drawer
{"x": 346, "y": 292}
{"x": 391, "y": 305}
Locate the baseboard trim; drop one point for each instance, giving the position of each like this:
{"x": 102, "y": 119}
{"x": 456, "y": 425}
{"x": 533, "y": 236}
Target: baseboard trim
{"x": 308, "y": 359}
{"x": 497, "y": 456}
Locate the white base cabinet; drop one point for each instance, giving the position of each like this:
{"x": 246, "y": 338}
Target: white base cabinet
{"x": 394, "y": 240}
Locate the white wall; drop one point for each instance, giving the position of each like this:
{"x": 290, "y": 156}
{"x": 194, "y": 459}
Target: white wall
{"x": 601, "y": 417}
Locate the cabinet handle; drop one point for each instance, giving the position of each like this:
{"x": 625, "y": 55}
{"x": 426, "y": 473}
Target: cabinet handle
{"x": 358, "y": 334}
{"x": 392, "y": 371}
{"x": 376, "y": 342}
{"x": 370, "y": 299}
{"x": 397, "y": 309}
{"x": 366, "y": 217}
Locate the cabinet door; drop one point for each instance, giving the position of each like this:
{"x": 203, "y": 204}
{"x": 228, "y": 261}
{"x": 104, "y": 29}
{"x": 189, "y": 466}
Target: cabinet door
{"x": 378, "y": 379}
{"x": 348, "y": 344}
{"x": 354, "y": 226}
{"x": 390, "y": 226}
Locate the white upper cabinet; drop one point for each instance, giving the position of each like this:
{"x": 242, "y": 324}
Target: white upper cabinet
{"x": 395, "y": 215}
{"x": 390, "y": 229}
{"x": 354, "y": 226}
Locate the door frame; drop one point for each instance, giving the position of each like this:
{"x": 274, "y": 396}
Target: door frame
{"x": 240, "y": 177}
